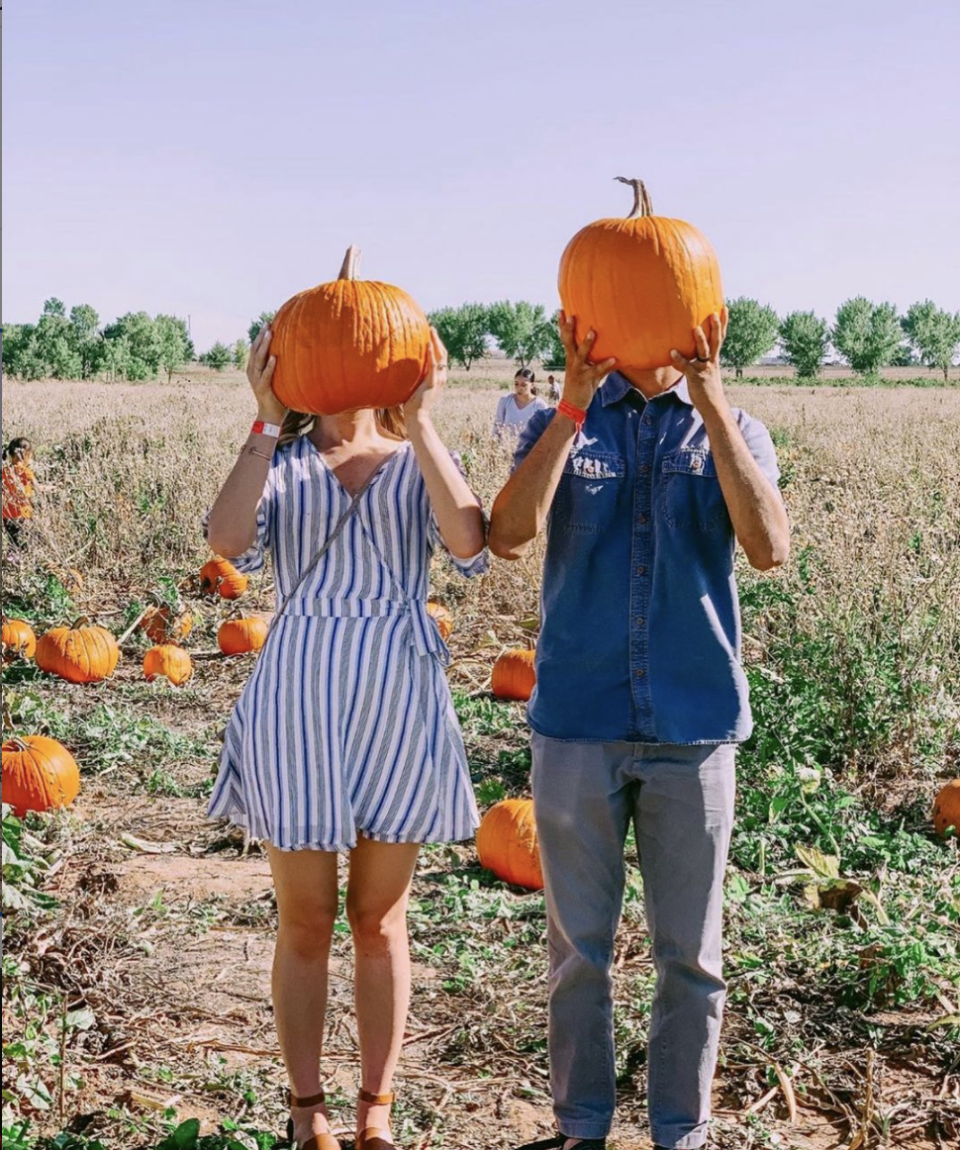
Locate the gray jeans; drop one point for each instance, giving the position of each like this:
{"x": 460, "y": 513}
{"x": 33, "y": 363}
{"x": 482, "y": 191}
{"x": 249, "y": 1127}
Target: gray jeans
{"x": 681, "y": 802}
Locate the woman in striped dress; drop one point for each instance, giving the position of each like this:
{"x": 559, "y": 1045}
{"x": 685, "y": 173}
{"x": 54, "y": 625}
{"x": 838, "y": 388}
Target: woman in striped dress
{"x": 345, "y": 737}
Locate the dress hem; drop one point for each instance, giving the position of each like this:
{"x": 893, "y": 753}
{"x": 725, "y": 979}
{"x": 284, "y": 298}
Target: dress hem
{"x": 303, "y": 844}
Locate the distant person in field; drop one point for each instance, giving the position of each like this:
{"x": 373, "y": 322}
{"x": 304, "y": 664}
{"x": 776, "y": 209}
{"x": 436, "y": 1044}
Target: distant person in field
{"x": 515, "y": 410}
{"x": 645, "y": 481}
{"x": 19, "y": 485}
{"x": 345, "y": 738}
{"x": 553, "y": 389}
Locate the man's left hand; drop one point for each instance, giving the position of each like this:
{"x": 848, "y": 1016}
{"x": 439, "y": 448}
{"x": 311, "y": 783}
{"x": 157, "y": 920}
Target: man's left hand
{"x": 702, "y": 373}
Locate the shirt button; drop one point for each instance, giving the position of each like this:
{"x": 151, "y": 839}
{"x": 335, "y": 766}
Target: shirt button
{"x": 640, "y": 673}
{"x": 696, "y": 464}
{"x": 644, "y": 468}
{"x": 641, "y": 621}
{"x": 641, "y": 570}
{"x": 642, "y": 520}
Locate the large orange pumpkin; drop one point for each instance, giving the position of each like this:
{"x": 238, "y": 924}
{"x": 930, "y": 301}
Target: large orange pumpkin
{"x": 220, "y": 577}
{"x": 442, "y": 617}
{"x": 38, "y": 773}
{"x": 80, "y": 654}
{"x": 946, "y": 810}
{"x": 348, "y": 344}
{"x": 18, "y": 639}
{"x": 171, "y": 662}
{"x": 161, "y": 626}
{"x": 642, "y": 284}
{"x": 514, "y": 676}
{"x": 507, "y": 843}
{"x": 238, "y": 636}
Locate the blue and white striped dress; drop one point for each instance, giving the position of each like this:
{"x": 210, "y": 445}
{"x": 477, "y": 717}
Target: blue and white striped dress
{"x": 346, "y": 726}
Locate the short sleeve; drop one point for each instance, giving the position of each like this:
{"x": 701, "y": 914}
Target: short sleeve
{"x": 479, "y": 564}
{"x": 536, "y": 425}
{"x": 761, "y": 447}
{"x": 253, "y": 558}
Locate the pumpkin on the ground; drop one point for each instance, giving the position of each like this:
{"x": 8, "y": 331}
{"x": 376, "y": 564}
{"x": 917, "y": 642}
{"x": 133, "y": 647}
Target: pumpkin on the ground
{"x": 239, "y": 636}
{"x": 38, "y": 774}
{"x": 169, "y": 661}
{"x": 642, "y": 284}
{"x": 220, "y": 577}
{"x": 18, "y": 639}
{"x": 507, "y": 843}
{"x": 946, "y": 810}
{"x": 514, "y": 676}
{"x": 82, "y": 653}
{"x": 161, "y": 625}
{"x": 442, "y": 617}
{"x": 348, "y": 344}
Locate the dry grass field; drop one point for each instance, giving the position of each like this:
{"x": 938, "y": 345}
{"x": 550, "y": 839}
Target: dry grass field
{"x": 139, "y": 999}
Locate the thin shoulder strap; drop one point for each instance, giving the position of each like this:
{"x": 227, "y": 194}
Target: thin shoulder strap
{"x": 327, "y": 544}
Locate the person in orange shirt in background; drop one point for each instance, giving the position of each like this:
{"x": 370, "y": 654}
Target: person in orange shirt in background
{"x": 18, "y": 488}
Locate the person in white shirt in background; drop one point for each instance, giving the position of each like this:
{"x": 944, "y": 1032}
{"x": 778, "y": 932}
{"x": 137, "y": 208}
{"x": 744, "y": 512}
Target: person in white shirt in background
{"x": 514, "y": 410}
{"x": 553, "y": 389}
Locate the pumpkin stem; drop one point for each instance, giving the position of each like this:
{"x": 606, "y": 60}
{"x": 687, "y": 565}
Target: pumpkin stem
{"x": 17, "y": 742}
{"x": 351, "y": 264}
{"x": 642, "y": 204}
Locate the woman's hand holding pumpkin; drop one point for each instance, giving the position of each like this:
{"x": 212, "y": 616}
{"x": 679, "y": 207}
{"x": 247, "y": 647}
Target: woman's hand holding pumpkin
{"x": 260, "y": 367}
{"x": 582, "y": 378}
{"x": 704, "y": 379}
{"x": 420, "y": 404}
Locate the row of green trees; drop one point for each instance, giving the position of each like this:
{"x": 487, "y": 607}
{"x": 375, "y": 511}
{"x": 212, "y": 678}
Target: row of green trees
{"x": 136, "y": 346}
{"x": 869, "y": 336}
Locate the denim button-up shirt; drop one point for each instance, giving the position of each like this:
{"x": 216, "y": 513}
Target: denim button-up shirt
{"x": 640, "y": 628}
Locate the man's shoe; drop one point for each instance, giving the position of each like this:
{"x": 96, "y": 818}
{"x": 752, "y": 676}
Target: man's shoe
{"x": 560, "y": 1141}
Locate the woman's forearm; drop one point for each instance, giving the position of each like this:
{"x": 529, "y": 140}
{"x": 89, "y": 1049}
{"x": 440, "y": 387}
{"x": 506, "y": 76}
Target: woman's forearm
{"x": 458, "y": 513}
{"x": 232, "y": 526}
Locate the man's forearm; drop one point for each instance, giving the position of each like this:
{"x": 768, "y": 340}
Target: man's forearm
{"x": 756, "y": 510}
{"x": 520, "y": 510}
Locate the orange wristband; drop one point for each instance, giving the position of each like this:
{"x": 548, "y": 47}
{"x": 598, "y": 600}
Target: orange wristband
{"x": 577, "y": 414}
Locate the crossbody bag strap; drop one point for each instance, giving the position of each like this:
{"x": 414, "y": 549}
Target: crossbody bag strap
{"x": 327, "y": 544}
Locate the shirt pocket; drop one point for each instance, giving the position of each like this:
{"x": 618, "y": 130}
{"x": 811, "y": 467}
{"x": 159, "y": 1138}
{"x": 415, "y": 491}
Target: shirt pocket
{"x": 590, "y": 487}
{"x": 690, "y": 492}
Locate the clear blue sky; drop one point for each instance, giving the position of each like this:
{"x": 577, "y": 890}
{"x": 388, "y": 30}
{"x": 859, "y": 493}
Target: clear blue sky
{"x": 212, "y": 157}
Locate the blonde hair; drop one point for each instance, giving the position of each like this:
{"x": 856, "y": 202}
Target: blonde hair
{"x": 389, "y": 419}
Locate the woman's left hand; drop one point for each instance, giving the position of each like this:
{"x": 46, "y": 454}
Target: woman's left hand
{"x": 704, "y": 379}
{"x": 421, "y": 402}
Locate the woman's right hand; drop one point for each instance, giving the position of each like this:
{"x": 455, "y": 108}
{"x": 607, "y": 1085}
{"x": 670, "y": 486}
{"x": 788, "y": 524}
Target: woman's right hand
{"x": 260, "y": 368}
{"x": 582, "y": 377}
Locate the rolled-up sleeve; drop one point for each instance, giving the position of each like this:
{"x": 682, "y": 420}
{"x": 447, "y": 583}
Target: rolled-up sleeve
{"x": 760, "y": 443}
{"x": 469, "y": 568}
{"x": 536, "y": 425}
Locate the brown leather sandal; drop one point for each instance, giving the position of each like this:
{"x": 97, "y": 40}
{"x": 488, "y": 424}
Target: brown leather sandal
{"x": 375, "y": 1137}
{"x": 318, "y": 1141}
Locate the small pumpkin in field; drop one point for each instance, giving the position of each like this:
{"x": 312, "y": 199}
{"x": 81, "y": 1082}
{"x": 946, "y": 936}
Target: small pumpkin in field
{"x": 82, "y": 653}
{"x": 507, "y": 843}
{"x": 170, "y": 662}
{"x": 161, "y": 625}
{"x": 348, "y": 344}
{"x": 18, "y": 639}
{"x": 514, "y": 675}
{"x": 442, "y": 617}
{"x": 946, "y": 810}
{"x": 38, "y": 774}
{"x": 239, "y": 636}
{"x": 220, "y": 577}
{"x": 642, "y": 284}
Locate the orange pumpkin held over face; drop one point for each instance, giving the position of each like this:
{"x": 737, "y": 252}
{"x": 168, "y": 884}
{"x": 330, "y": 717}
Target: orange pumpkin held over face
{"x": 38, "y": 774}
{"x": 507, "y": 843}
{"x": 171, "y": 662}
{"x": 80, "y": 654}
{"x": 514, "y": 676}
{"x": 18, "y": 639}
{"x": 946, "y": 810}
{"x": 642, "y": 284}
{"x": 220, "y": 577}
{"x": 238, "y": 636}
{"x": 348, "y": 344}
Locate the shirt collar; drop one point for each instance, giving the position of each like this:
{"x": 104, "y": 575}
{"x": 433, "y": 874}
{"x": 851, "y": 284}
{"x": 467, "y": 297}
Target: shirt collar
{"x": 616, "y": 386}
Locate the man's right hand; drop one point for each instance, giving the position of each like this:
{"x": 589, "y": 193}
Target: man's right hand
{"x": 582, "y": 377}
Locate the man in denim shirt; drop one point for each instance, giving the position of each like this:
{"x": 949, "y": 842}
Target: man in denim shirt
{"x": 645, "y": 483}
